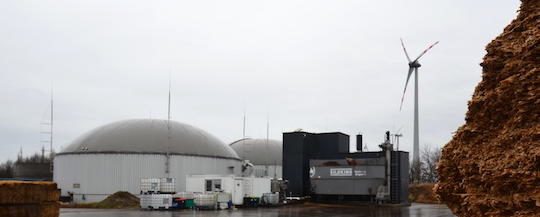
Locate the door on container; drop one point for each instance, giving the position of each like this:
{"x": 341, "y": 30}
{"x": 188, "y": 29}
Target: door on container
{"x": 238, "y": 192}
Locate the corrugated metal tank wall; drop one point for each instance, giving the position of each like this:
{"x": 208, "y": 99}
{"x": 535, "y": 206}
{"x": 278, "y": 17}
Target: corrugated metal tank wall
{"x": 267, "y": 171}
{"x": 99, "y": 175}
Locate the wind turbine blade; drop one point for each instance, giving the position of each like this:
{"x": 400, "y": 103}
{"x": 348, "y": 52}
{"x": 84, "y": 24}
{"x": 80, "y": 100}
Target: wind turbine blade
{"x": 405, "y": 89}
{"x": 405, "y": 50}
{"x": 425, "y": 51}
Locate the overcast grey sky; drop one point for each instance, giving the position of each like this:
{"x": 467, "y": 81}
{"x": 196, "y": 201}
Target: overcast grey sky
{"x": 319, "y": 65}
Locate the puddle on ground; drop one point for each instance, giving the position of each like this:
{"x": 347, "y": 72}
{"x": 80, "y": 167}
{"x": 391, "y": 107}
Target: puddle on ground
{"x": 415, "y": 210}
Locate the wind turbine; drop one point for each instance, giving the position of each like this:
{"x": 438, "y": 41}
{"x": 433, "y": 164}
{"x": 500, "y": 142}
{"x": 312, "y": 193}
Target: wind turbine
{"x": 413, "y": 66}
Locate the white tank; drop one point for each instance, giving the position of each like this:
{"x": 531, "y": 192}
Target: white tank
{"x": 116, "y": 156}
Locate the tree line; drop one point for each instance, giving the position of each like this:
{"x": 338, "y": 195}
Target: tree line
{"x": 7, "y": 167}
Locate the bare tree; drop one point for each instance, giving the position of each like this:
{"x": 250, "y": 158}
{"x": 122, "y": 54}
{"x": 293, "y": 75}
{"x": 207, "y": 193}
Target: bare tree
{"x": 425, "y": 170}
{"x": 35, "y": 158}
{"x": 430, "y": 158}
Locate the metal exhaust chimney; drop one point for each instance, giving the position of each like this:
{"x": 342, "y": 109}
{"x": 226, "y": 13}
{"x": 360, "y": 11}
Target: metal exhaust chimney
{"x": 359, "y": 143}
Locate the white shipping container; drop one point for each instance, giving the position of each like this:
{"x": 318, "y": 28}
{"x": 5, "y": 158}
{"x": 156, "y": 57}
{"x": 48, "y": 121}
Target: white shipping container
{"x": 149, "y": 185}
{"x": 228, "y": 184}
{"x": 238, "y": 187}
{"x": 256, "y": 186}
{"x": 195, "y": 184}
{"x": 210, "y": 183}
{"x": 167, "y": 185}
{"x": 156, "y": 201}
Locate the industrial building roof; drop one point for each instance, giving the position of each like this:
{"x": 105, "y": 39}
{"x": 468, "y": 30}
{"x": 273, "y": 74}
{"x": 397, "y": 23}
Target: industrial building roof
{"x": 150, "y": 136}
{"x": 259, "y": 151}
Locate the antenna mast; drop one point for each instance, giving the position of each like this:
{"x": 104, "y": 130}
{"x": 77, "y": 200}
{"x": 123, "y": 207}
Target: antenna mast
{"x": 268, "y": 140}
{"x": 167, "y": 157}
{"x": 244, "y": 136}
{"x": 52, "y": 121}
{"x": 169, "y": 103}
{"x": 267, "y": 129}
{"x": 51, "y": 152}
{"x": 244, "y": 126}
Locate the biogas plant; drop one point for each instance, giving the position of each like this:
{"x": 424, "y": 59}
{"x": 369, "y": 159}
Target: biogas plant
{"x": 140, "y": 155}
{"x": 116, "y": 156}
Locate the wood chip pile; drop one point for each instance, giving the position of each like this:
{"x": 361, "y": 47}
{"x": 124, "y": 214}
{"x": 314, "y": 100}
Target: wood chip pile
{"x": 422, "y": 193}
{"x": 492, "y": 165}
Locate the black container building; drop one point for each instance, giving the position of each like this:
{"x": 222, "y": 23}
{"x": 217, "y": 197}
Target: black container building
{"x": 320, "y": 165}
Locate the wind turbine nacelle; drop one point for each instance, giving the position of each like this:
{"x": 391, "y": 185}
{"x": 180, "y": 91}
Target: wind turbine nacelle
{"x": 414, "y": 64}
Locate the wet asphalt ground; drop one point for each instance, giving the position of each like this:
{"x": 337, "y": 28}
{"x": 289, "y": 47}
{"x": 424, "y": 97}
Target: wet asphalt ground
{"x": 415, "y": 210}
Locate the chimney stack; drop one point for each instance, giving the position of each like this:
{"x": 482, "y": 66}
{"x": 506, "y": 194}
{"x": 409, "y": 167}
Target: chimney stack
{"x": 359, "y": 143}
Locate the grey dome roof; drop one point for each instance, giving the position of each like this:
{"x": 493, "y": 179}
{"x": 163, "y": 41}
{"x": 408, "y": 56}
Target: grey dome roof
{"x": 259, "y": 151}
{"x": 150, "y": 136}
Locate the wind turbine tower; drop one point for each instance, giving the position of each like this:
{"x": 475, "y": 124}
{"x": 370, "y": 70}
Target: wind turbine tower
{"x": 413, "y": 67}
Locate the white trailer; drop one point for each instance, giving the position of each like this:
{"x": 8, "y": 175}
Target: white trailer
{"x": 238, "y": 187}
{"x": 256, "y": 186}
{"x": 216, "y": 183}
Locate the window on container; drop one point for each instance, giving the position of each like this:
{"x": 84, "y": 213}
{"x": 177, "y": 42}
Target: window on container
{"x": 217, "y": 185}
{"x": 208, "y": 185}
